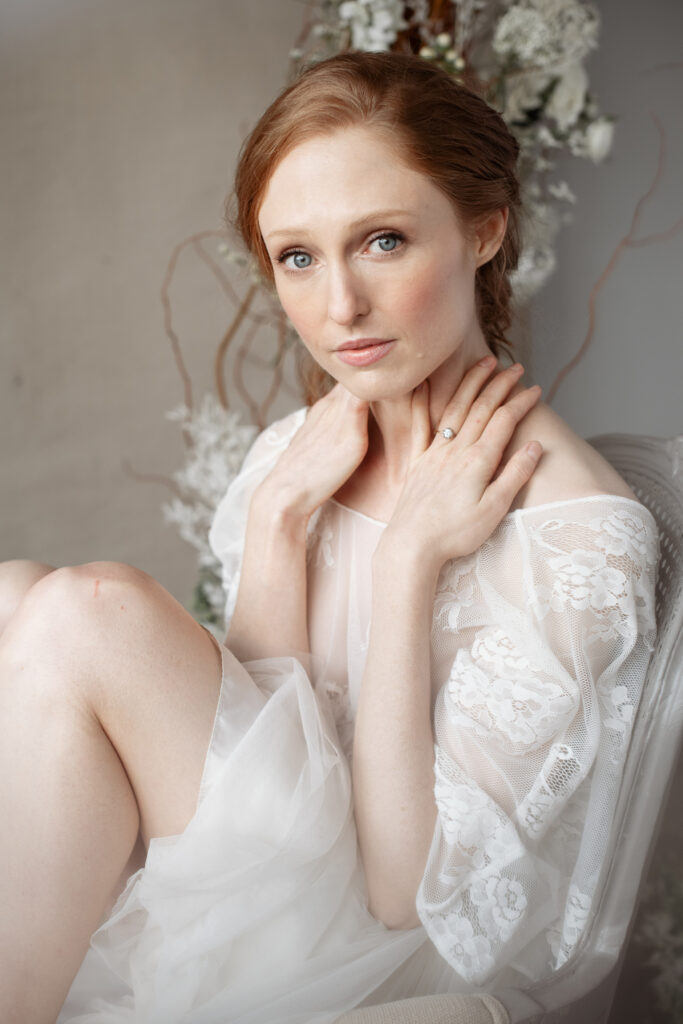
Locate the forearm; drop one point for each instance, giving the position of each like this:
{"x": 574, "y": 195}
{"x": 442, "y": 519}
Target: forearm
{"x": 393, "y": 752}
{"x": 270, "y": 613}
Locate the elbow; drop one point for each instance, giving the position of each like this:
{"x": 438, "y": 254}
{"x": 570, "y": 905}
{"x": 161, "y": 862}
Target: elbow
{"x": 393, "y": 912}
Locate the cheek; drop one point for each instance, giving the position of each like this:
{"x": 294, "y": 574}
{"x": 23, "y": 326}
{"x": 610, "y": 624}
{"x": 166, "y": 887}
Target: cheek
{"x": 435, "y": 296}
{"x": 298, "y": 310}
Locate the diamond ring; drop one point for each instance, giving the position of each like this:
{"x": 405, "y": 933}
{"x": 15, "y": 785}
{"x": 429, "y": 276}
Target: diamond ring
{"x": 447, "y": 433}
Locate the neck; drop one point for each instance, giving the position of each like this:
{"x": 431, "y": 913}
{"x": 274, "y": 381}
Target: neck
{"x": 392, "y": 418}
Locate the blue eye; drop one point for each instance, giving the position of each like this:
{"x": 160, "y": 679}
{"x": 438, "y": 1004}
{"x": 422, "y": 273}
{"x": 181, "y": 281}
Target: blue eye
{"x": 388, "y": 242}
{"x": 298, "y": 259}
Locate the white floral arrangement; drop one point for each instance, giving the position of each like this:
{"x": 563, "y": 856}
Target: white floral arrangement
{"x": 527, "y": 59}
{"x": 217, "y": 442}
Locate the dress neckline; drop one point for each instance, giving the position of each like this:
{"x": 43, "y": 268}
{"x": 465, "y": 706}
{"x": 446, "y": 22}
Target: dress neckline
{"x": 519, "y": 512}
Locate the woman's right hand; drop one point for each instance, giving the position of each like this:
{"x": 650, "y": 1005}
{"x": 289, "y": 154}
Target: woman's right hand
{"x": 324, "y": 452}
{"x": 458, "y": 490}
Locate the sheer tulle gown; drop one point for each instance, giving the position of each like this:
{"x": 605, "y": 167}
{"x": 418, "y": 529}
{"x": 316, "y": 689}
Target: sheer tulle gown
{"x": 257, "y": 912}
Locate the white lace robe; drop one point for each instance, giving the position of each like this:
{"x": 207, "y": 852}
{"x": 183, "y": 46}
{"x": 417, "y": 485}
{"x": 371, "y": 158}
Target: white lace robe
{"x": 540, "y": 643}
{"x": 257, "y": 912}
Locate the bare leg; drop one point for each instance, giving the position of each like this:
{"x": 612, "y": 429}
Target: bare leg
{"x": 108, "y": 691}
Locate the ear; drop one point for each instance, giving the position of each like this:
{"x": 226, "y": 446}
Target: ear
{"x": 489, "y": 233}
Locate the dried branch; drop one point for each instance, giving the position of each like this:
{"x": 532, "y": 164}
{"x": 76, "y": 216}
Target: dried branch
{"x": 225, "y": 342}
{"x": 627, "y": 242}
{"x": 238, "y": 376}
{"x": 168, "y": 317}
{"x": 217, "y": 271}
{"x": 151, "y": 478}
{"x": 278, "y": 368}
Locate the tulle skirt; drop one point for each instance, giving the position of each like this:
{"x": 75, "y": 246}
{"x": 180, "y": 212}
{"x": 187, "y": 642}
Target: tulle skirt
{"x": 257, "y": 912}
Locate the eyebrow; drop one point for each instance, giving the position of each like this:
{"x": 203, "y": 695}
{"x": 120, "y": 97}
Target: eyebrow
{"x": 376, "y": 215}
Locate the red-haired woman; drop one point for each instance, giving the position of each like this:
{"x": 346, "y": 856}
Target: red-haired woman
{"x": 397, "y": 776}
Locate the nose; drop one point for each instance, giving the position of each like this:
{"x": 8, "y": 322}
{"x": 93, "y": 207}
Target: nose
{"x": 347, "y": 297}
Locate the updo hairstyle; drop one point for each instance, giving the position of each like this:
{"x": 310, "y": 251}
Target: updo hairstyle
{"x": 439, "y": 128}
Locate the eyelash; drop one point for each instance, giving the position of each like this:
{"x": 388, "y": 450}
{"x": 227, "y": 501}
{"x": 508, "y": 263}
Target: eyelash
{"x": 398, "y": 235}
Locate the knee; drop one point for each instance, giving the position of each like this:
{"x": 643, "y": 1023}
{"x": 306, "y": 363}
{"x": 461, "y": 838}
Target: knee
{"x": 17, "y": 577}
{"x": 76, "y": 602}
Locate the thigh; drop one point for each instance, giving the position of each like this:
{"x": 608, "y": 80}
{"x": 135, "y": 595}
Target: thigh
{"x": 118, "y": 647}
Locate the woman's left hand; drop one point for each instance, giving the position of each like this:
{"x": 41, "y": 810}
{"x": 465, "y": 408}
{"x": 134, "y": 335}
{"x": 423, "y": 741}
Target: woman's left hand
{"x": 456, "y": 492}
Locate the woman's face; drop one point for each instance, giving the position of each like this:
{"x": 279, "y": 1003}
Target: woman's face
{"x": 371, "y": 264}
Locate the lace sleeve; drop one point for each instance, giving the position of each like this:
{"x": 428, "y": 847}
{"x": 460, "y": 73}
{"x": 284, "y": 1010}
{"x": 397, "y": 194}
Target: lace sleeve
{"x": 226, "y": 536}
{"x": 551, "y": 626}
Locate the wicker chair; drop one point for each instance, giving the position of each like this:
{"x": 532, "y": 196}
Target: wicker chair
{"x": 583, "y": 990}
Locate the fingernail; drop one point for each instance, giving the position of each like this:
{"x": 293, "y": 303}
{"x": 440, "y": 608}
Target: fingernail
{"x": 517, "y": 368}
{"x": 487, "y": 361}
{"x": 534, "y": 449}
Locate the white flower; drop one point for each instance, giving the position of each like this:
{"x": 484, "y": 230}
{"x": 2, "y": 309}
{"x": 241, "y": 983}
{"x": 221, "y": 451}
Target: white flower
{"x": 374, "y": 24}
{"x": 547, "y": 33}
{"x": 568, "y": 97}
{"x": 583, "y": 579}
{"x": 523, "y": 93}
{"x": 218, "y": 444}
{"x": 501, "y": 904}
{"x": 496, "y": 687}
{"x": 562, "y": 191}
{"x": 466, "y": 814}
{"x": 599, "y": 136}
{"x": 470, "y": 954}
{"x": 622, "y": 533}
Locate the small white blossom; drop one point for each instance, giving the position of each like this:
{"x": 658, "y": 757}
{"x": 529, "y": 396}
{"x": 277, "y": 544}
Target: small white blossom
{"x": 568, "y": 97}
{"x": 561, "y": 190}
{"x": 218, "y": 444}
{"x": 599, "y": 137}
{"x": 374, "y": 24}
{"x": 548, "y": 34}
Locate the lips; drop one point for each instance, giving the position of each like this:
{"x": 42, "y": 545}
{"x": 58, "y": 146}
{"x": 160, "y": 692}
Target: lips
{"x": 364, "y": 351}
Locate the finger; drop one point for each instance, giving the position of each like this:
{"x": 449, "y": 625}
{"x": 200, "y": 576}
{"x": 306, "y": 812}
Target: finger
{"x": 486, "y": 404}
{"x": 457, "y": 409}
{"x": 502, "y": 491}
{"x": 421, "y": 435}
{"x": 506, "y": 418}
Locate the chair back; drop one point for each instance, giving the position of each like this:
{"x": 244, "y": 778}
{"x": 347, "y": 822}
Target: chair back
{"x": 584, "y": 988}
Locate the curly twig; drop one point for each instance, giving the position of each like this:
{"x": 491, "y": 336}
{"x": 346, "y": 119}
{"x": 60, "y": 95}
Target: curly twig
{"x": 168, "y": 317}
{"x": 627, "y": 242}
{"x": 225, "y": 342}
{"x": 216, "y": 270}
{"x": 238, "y": 377}
{"x": 151, "y": 478}
{"x": 278, "y": 368}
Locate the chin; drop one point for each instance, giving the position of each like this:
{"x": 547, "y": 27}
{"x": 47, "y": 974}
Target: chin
{"x": 376, "y": 391}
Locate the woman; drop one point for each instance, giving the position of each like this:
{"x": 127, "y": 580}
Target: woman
{"x": 475, "y": 620}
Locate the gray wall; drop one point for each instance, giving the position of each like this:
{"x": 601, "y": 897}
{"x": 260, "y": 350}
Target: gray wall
{"x": 120, "y": 124}
{"x": 632, "y": 378}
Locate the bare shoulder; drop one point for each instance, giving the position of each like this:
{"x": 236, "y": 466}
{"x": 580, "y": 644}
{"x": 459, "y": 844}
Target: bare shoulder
{"x": 569, "y": 468}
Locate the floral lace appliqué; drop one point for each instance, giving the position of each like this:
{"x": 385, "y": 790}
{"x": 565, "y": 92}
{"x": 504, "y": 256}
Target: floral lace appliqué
{"x": 564, "y": 939}
{"x": 455, "y": 938}
{"x": 496, "y": 686}
{"x": 456, "y": 590}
